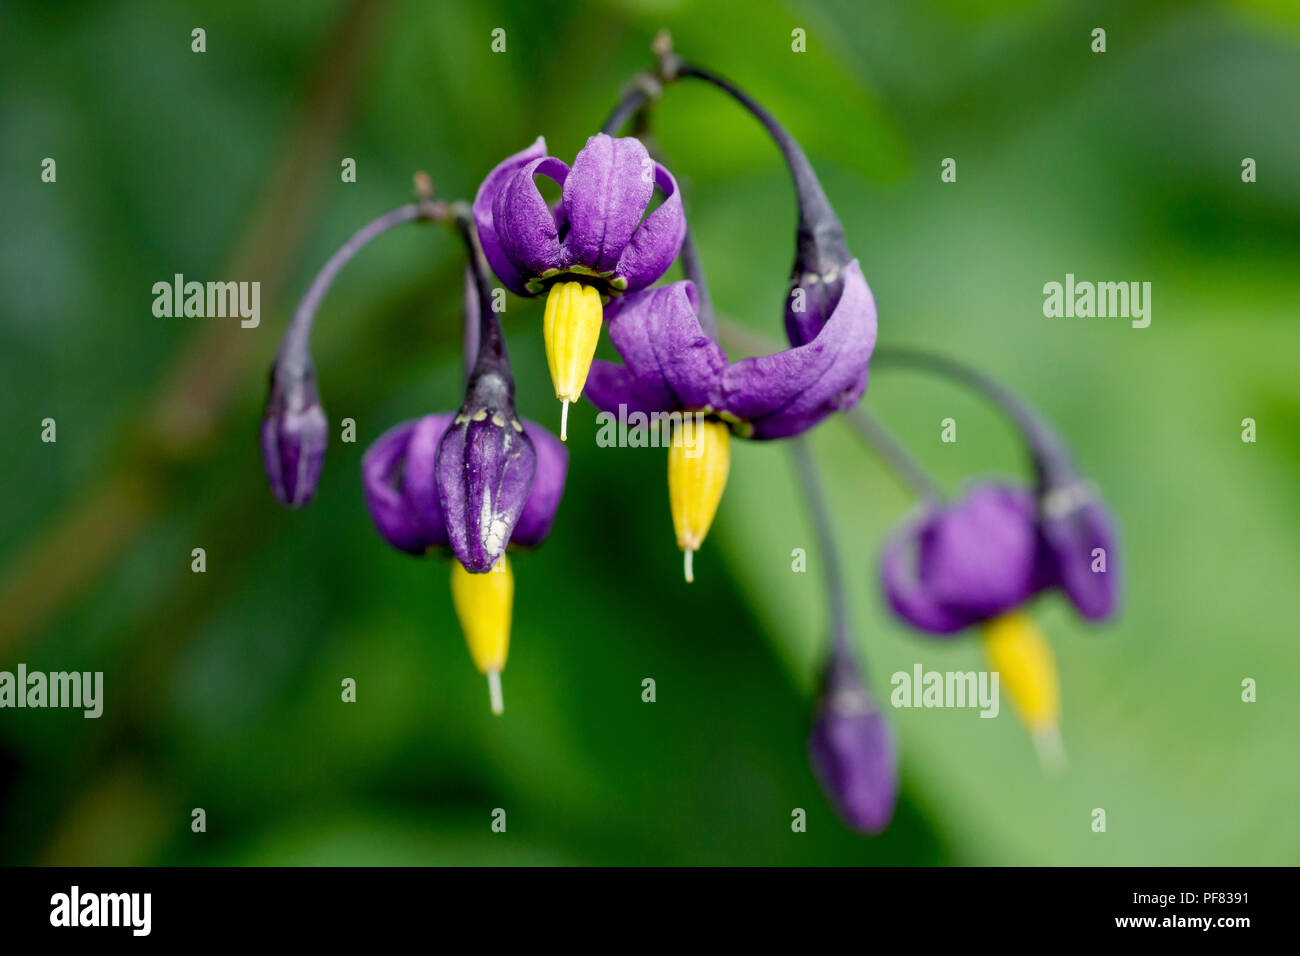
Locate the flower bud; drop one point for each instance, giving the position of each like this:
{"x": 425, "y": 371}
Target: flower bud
{"x": 851, "y": 748}
{"x": 294, "y": 435}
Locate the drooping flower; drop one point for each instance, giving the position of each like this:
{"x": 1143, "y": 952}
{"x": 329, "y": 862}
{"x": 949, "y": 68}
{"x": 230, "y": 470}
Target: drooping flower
{"x": 852, "y": 750}
{"x": 594, "y": 246}
{"x": 978, "y": 562}
{"x": 401, "y": 478}
{"x": 472, "y": 483}
{"x": 671, "y": 366}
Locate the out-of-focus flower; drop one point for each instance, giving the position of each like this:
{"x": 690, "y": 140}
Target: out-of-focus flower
{"x": 672, "y": 366}
{"x": 979, "y": 561}
{"x": 852, "y": 750}
{"x": 593, "y": 246}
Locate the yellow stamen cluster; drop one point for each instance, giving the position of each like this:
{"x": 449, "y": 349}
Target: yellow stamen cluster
{"x": 698, "y": 462}
{"x": 571, "y": 329}
{"x": 1020, "y": 654}
{"x": 483, "y": 604}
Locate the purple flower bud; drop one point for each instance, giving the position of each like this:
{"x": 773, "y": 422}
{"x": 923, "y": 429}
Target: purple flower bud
{"x": 485, "y": 466}
{"x": 851, "y": 748}
{"x": 294, "y": 435}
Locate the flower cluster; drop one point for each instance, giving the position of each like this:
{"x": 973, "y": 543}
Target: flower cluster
{"x": 475, "y": 483}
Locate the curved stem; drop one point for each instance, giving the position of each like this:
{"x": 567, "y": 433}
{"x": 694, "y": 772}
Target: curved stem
{"x": 639, "y": 93}
{"x": 294, "y": 347}
{"x": 896, "y": 456}
{"x": 824, "y": 527}
{"x": 1050, "y": 454}
{"x": 820, "y": 242}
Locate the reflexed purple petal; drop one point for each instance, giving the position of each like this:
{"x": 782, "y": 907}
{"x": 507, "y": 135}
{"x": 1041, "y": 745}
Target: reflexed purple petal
{"x": 604, "y": 197}
{"x": 392, "y": 514}
{"x": 419, "y": 480}
{"x": 610, "y": 385}
{"x": 525, "y": 225}
{"x": 1070, "y": 538}
{"x": 851, "y": 748}
{"x": 790, "y": 391}
{"x": 663, "y": 345}
{"x": 485, "y": 471}
{"x": 548, "y": 487}
{"x": 658, "y": 239}
{"x": 483, "y": 201}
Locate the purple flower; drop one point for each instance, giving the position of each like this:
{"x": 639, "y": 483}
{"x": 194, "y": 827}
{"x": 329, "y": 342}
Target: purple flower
{"x": 672, "y": 365}
{"x": 1081, "y": 545}
{"x": 294, "y": 434}
{"x": 596, "y": 235}
{"x": 595, "y": 245}
{"x": 989, "y": 553}
{"x": 851, "y": 748}
{"x": 403, "y": 483}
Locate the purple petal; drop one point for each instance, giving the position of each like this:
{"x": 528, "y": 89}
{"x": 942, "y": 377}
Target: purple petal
{"x": 525, "y": 225}
{"x": 392, "y": 514}
{"x": 907, "y": 595}
{"x": 660, "y": 339}
{"x": 485, "y": 471}
{"x": 611, "y": 386}
{"x": 970, "y": 561}
{"x": 789, "y": 392}
{"x": 548, "y": 487}
{"x": 419, "y": 481}
{"x": 658, "y": 239}
{"x": 1070, "y": 537}
{"x": 604, "y": 197}
{"x": 483, "y": 201}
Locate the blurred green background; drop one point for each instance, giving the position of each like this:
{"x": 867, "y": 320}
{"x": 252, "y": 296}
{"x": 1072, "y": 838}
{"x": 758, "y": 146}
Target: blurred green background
{"x": 222, "y": 689}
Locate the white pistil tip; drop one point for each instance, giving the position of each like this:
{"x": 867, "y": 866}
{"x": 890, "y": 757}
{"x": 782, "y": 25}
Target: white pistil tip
{"x": 1051, "y": 750}
{"x": 564, "y": 421}
{"x": 690, "y": 568}
{"x": 494, "y": 692}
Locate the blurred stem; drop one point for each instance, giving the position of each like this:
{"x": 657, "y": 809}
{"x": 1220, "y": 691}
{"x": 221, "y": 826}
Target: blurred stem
{"x": 883, "y": 442}
{"x": 1049, "y": 453}
{"x": 296, "y": 344}
{"x": 824, "y": 527}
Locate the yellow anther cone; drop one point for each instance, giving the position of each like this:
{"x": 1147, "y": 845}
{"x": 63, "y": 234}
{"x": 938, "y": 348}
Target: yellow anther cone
{"x": 698, "y": 462}
{"x": 571, "y": 329}
{"x": 1020, "y": 654}
{"x": 483, "y": 604}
